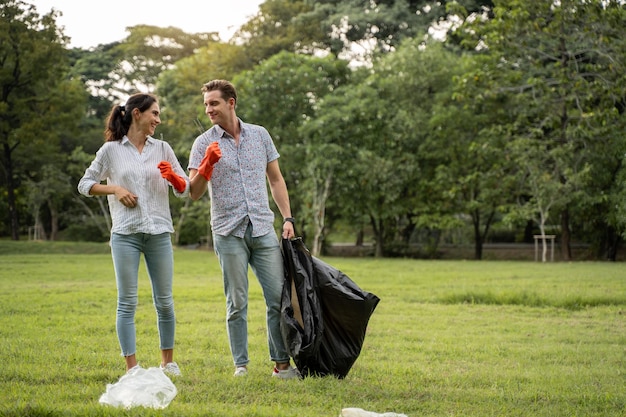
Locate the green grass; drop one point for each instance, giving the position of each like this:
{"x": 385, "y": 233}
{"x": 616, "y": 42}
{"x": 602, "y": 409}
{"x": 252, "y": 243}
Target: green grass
{"x": 449, "y": 338}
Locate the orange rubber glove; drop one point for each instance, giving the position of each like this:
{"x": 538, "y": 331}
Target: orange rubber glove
{"x": 212, "y": 155}
{"x": 177, "y": 181}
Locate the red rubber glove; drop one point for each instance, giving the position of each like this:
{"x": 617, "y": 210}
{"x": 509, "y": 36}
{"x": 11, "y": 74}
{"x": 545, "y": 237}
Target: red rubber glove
{"x": 177, "y": 181}
{"x": 212, "y": 155}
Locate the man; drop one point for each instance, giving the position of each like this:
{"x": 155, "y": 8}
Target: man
{"x": 234, "y": 158}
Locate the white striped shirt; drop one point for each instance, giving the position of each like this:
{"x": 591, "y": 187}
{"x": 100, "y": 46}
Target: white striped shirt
{"x": 120, "y": 163}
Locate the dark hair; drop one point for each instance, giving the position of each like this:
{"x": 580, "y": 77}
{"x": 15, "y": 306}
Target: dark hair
{"x": 225, "y": 87}
{"x": 119, "y": 119}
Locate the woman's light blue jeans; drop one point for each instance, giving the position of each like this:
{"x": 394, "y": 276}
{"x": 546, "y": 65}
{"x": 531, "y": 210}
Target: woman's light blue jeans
{"x": 159, "y": 259}
{"x": 265, "y": 258}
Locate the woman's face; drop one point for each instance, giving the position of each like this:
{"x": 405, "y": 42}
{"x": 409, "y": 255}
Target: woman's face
{"x": 149, "y": 119}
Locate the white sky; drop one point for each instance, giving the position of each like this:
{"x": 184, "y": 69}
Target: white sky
{"x": 92, "y": 22}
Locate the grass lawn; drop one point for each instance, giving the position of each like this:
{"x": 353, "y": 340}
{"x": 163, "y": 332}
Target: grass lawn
{"x": 448, "y": 338}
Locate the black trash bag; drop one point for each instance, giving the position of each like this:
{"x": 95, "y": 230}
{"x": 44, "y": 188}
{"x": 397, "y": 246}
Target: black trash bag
{"x": 301, "y": 320}
{"x": 328, "y": 337}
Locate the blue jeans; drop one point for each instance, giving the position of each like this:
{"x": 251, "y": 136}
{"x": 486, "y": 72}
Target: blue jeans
{"x": 265, "y": 258}
{"x": 159, "y": 258}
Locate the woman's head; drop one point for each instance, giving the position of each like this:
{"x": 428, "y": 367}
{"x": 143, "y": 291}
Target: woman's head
{"x": 121, "y": 117}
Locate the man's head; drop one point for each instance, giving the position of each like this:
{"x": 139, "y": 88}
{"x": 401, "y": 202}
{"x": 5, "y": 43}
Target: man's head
{"x": 226, "y": 89}
{"x": 220, "y": 99}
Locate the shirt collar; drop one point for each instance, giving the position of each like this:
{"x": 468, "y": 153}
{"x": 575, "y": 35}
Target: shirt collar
{"x": 221, "y": 132}
{"x": 125, "y": 140}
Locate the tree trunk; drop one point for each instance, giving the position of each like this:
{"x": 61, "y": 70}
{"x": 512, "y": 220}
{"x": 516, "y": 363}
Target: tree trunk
{"x": 181, "y": 221}
{"x": 542, "y": 230}
{"x": 478, "y": 240}
{"x": 566, "y": 250}
{"x": 379, "y": 248}
{"x": 379, "y": 237}
{"x": 528, "y": 232}
{"x": 90, "y": 213}
{"x": 39, "y": 233}
{"x": 319, "y": 216}
{"x": 611, "y": 243}
{"x": 359, "y": 237}
{"x": 54, "y": 221}
{"x": 104, "y": 209}
{"x": 15, "y": 224}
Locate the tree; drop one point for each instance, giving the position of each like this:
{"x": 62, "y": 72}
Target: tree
{"x": 280, "y": 25}
{"x": 87, "y": 214}
{"x": 367, "y": 179}
{"x": 467, "y": 145}
{"x": 49, "y": 191}
{"x": 323, "y": 159}
{"x": 417, "y": 79}
{"x": 37, "y": 100}
{"x": 150, "y": 50}
{"x": 541, "y": 182}
{"x": 562, "y": 65}
{"x": 381, "y": 26}
{"x": 115, "y": 70}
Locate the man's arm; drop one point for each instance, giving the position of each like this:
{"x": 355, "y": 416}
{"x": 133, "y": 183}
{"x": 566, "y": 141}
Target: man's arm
{"x": 198, "y": 184}
{"x": 281, "y": 196}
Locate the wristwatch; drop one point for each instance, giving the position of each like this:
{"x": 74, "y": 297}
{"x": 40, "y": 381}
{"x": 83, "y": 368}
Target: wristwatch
{"x": 290, "y": 220}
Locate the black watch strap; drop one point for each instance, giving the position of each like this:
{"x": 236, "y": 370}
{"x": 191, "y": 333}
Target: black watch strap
{"x": 290, "y": 220}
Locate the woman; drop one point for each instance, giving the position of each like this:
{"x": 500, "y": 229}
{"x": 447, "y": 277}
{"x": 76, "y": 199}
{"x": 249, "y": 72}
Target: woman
{"x": 138, "y": 170}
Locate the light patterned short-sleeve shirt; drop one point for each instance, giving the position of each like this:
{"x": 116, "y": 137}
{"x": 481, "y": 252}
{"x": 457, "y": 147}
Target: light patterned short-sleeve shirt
{"x": 238, "y": 187}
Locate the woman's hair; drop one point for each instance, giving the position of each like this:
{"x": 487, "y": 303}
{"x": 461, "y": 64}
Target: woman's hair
{"x": 225, "y": 87}
{"x": 119, "y": 119}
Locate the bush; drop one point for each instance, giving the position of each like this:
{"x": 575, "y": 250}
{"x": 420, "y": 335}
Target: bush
{"x": 83, "y": 232}
{"x": 193, "y": 231}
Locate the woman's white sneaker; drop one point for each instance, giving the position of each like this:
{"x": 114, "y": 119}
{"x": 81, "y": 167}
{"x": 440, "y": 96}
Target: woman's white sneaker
{"x": 171, "y": 369}
{"x": 241, "y": 371}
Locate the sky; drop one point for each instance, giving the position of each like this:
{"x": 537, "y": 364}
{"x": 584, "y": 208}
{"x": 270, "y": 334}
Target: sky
{"x": 92, "y": 22}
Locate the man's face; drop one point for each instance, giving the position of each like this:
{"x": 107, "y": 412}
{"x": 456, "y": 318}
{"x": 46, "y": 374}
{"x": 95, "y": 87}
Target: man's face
{"x": 218, "y": 110}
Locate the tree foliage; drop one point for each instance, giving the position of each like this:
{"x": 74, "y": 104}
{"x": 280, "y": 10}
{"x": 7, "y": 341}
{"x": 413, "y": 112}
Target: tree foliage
{"x": 280, "y": 25}
{"x": 382, "y": 25}
{"x": 150, "y": 50}
{"x": 562, "y": 65}
{"x": 37, "y": 99}
{"x": 516, "y": 115}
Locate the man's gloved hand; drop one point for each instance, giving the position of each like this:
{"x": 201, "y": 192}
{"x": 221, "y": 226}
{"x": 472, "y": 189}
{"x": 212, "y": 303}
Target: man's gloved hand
{"x": 212, "y": 155}
{"x": 176, "y": 180}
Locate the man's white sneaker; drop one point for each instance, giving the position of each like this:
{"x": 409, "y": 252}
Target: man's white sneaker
{"x": 241, "y": 371}
{"x": 171, "y": 369}
{"x": 288, "y": 373}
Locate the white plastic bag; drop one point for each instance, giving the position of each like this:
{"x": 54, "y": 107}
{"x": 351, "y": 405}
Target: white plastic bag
{"x": 144, "y": 387}
{"x": 359, "y": 412}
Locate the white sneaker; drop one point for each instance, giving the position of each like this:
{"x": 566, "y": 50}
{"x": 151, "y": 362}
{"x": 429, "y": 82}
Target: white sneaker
{"x": 288, "y": 373}
{"x": 171, "y": 369}
{"x": 241, "y": 371}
